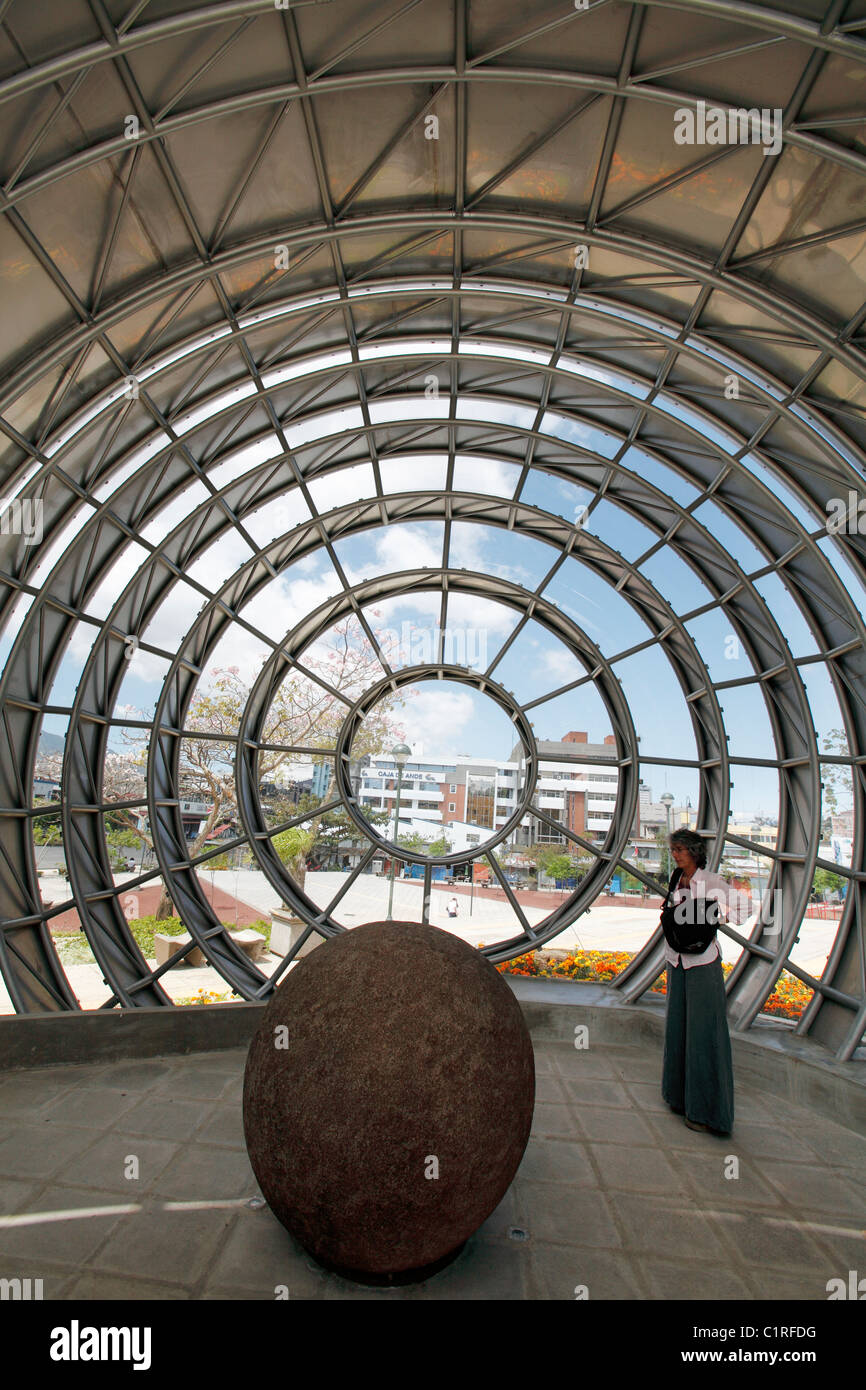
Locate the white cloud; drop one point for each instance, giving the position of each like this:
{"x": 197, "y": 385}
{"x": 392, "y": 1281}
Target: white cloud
{"x": 560, "y": 662}
{"x": 220, "y": 561}
{"x": 129, "y": 712}
{"x": 421, "y": 472}
{"x": 277, "y": 516}
{"x": 173, "y": 618}
{"x": 175, "y": 511}
{"x": 284, "y": 601}
{"x": 409, "y": 547}
{"x": 480, "y": 615}
{"x": 488, "y": 476}
{"x": 345, "y": 485}
{"x": 436, "y": 716}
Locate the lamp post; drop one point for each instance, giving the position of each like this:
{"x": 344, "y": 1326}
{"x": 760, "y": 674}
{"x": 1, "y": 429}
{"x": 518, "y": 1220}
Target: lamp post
{"x": 399, "y": 754}
{"x": 668, "y": 801}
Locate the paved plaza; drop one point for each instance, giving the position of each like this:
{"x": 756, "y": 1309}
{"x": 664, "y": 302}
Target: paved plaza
{"x": 614, "y": 1193}
{"x": 482, "y": 919}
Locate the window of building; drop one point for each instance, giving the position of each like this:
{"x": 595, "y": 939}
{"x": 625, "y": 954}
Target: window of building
{"x": 547, "y": 836}
{"x": 451, "y": 806}
{"x": 479, "y": 799}
{"x": 452, "y": 789}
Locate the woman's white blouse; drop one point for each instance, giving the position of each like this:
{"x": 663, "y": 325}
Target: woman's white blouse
{"x": 732, "y": 901}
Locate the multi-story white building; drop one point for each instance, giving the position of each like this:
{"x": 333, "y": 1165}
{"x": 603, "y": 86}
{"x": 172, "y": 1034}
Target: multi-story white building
{"x": 579, "y": 794}
{"x": 474, "y": 792}
{"x": 441, "y": 793}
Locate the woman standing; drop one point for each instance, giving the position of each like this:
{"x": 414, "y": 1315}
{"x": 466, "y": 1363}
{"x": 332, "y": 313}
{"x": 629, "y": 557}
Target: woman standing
{"x": 697, "y": 1074}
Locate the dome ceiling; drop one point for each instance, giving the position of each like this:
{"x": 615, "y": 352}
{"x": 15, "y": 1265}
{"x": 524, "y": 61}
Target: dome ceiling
{"x": 276, "y": 279}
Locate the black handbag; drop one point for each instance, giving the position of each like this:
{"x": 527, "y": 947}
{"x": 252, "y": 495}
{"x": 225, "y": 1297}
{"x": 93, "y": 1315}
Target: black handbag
{"x": 690, "y": 926}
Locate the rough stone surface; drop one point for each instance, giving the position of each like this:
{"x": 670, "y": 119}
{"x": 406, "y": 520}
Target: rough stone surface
{"x": 404, "y": 1046}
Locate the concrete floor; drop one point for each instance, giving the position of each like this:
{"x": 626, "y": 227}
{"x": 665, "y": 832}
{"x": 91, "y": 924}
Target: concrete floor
{"x": 614, "y": 1192}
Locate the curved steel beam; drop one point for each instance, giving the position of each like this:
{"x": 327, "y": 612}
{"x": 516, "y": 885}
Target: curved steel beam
{"x": 499, "y": 428}
{"x": 806, "y": 325}
{"x": 440, "y": 74}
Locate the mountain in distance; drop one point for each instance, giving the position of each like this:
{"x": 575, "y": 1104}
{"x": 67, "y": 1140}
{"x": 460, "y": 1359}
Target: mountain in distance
{"x": 50, "y": 743}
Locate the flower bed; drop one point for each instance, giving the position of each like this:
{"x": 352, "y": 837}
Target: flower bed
{"x": 788, "y": 999}
{"x": 208, "y": 996}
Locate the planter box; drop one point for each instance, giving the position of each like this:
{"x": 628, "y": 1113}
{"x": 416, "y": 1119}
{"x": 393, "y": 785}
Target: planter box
{"x": 285, "y": 930}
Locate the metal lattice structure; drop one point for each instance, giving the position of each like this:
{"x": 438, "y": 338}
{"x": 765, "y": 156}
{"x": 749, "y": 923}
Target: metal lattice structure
{"x": 234, "y": 226}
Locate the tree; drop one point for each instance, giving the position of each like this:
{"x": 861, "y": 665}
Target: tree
{"x": 558, "y": 866}
{"x": 535, "y": 853}
{"x": 335, "y": 829}
{"x": 826, "y": 882}
{"x": 666, "y": 863}
{"x": 630, "y": 884}
{"x": 838, "y": 780}
{"x": 441, "y": 845}
{"x": 412, "y": 840}
{"x": 117, "y": 841}
{"x": 293, "y": 846}
{"x": 47, "y": 830}
{"x": 556, "y": 862}
{"x": 419, "y": 844}
{"x": 303, "y": 713}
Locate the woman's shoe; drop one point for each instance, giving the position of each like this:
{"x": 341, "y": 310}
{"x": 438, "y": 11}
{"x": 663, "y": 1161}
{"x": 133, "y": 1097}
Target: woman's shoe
{"x": 693, "y": 1124}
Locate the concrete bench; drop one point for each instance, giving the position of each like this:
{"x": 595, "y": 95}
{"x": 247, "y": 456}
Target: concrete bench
{"x": 252, "y": 943}
{"x": 165, "y": 947}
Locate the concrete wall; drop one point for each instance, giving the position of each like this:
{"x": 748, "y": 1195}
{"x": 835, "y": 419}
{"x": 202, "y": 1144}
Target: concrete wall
{"x": 769, "y": 1057}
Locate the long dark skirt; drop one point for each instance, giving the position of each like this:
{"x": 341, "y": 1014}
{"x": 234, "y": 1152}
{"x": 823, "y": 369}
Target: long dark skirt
{"x": 698, "y": 1073}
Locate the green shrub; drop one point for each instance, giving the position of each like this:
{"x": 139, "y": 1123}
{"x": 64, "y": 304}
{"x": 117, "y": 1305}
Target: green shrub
{"x": 74, "y": 948}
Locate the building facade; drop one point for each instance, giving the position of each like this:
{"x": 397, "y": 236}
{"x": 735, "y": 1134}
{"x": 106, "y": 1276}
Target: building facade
{"x": 441, "y": 793}
{"x": 574, "y": 788}
{"x": 478, "y": 794}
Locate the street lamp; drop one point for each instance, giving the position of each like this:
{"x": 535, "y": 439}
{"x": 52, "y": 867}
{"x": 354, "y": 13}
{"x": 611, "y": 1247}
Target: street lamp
{"x": 668, "y": 801}
{"x": 399, "y": 754}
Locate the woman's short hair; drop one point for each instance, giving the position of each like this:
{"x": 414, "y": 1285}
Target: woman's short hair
{"x": 690, "y": 840}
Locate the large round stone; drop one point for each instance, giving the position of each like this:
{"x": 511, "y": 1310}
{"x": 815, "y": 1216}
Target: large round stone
{"x": 388, "y": 1098}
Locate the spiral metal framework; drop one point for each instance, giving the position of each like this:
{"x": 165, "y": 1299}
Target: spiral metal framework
{"x": 283, "y": 246}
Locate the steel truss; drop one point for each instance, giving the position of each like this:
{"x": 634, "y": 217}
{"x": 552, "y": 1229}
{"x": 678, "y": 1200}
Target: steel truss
{"x": 612, "y": 351}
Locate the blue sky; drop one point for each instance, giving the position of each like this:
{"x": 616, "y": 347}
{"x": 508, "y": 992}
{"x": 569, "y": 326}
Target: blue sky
{"x": 537, "y": 663}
